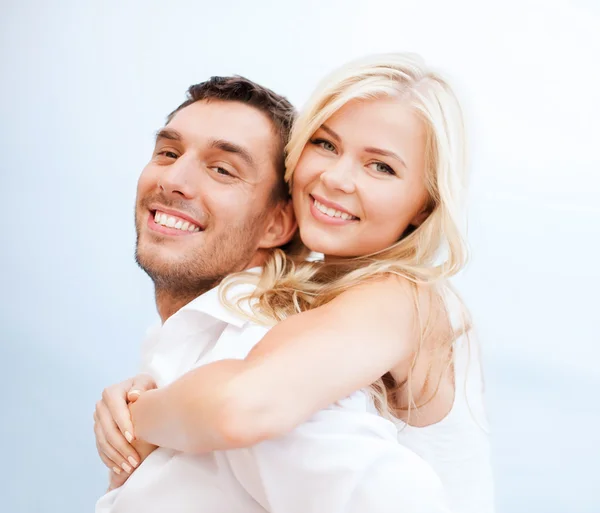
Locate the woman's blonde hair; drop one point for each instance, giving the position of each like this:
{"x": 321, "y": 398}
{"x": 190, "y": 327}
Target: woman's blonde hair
{"x": 427, "y": 254}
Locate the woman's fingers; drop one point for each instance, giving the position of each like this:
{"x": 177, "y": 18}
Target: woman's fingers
{"x": 112, "y": 465}
{"x": 112, "y": 442}
{"x": 115, "y": 400}
{"x": 141, "y": 383}
{"x": 113, "y": 427}
{"x": 116, "y": 480}
{"x": 99, "y": 435}
{"x": 109, "y": 455}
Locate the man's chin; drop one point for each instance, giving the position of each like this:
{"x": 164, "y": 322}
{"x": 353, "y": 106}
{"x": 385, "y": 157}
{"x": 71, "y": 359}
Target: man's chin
{"x": 164, "y": 274}
{"x": 157, "y": 261}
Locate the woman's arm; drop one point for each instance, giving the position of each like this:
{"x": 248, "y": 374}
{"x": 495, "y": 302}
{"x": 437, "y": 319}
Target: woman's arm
{"x": 303, "y": 365}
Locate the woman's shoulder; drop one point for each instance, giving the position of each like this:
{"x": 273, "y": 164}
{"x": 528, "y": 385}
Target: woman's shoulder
{"x": 383, "y": 306}
{"x": 397, "y": 294}
{"x": 384, "y": 288}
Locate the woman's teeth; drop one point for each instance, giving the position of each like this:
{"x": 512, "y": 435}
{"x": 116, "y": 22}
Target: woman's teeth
{"x": 332, "y": 212}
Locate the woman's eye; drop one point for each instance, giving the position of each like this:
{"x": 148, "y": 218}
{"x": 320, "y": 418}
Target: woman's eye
{"x": 323, "y": 143}
{"x": 380, "y": 167}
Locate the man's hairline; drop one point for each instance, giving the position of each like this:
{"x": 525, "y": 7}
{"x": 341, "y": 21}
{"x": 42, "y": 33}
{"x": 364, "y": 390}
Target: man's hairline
{"x": 274, "y": 196}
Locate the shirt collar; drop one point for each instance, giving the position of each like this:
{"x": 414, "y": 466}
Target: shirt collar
{"x": 210, "y": 303}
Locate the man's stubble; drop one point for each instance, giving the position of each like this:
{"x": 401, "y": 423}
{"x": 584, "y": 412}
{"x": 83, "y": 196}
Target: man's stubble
{"x": 229, "y": 252}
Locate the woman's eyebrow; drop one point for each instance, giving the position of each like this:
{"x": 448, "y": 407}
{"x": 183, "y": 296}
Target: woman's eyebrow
{"x": 386, "y": 153}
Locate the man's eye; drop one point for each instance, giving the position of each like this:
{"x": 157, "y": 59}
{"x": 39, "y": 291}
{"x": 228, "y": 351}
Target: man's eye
{"x": 168, "y": 154}
{"x": 221, "y": 171}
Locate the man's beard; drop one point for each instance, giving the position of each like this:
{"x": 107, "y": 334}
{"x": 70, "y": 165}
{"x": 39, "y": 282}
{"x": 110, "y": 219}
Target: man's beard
{"x": 211, "y": 262}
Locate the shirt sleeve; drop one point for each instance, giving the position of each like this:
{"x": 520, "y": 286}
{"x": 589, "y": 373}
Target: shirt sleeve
{"x": 147, "y": 348}
{"x": 343, "y": 460}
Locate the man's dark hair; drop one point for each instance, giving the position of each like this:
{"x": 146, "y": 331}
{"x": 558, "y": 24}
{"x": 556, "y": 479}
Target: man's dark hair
{"x": 239, "y": 89}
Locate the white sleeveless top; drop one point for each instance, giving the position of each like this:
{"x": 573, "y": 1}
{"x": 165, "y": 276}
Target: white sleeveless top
{"x": 458, "y": 446}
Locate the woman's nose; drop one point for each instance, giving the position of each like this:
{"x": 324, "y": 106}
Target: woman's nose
{"x": 339, "y": 175}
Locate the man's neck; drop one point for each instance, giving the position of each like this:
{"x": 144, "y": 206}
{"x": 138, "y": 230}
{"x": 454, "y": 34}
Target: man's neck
{"x": 168, "y": 301}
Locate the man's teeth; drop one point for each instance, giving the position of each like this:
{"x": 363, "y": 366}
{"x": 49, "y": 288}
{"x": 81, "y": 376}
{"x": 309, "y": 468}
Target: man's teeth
{"x": 174, "y": 222}
{"x": 332, "y": 212}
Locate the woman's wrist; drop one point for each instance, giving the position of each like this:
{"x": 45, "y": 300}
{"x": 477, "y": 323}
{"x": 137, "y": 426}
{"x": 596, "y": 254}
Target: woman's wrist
{"x": 146, "y": 414}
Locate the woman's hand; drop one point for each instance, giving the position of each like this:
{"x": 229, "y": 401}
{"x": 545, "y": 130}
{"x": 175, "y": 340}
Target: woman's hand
{"x": 143, "y": 449}
{"x": 115, "y": 437}
{"x": 116, "y": 480}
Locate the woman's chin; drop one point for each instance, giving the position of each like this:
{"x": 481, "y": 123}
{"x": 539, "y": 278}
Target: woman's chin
{"x": 328, "y": 249}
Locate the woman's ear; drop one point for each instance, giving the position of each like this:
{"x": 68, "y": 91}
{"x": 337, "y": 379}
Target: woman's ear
{"x": 419, "y": 219}
{"x": 281, "y": 227}
{"x": 422, "y": 215}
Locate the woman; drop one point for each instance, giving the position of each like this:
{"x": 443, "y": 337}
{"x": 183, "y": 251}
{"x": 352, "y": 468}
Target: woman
{"x": 376, "y": 167}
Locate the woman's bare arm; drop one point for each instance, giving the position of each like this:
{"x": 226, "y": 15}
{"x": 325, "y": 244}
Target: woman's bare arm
{"x": 303, "y": 365}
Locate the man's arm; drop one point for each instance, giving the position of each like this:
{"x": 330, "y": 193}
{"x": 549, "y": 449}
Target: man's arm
{"x": 343, "y": 460}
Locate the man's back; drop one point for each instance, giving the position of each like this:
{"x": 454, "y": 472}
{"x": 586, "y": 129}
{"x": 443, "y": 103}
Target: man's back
{"x": 344, "y": 459}
{"x": 172, "y": 481}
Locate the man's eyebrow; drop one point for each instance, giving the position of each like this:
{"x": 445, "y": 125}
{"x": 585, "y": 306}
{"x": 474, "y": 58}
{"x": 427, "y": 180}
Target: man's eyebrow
{"x": 231, "y": 147}
{"x": 168, "y": 133}
{"x": 386, "y": 153}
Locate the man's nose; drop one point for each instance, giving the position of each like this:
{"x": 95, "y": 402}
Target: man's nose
{"x": 178, "y": 178}
{"x": 340, "y": 175}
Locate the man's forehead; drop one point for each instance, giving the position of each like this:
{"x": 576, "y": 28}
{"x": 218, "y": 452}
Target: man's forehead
{"x": 217, "y": 119}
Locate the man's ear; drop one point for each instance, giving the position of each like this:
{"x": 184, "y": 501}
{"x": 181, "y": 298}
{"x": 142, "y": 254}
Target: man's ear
{"x": 281, "y": 227}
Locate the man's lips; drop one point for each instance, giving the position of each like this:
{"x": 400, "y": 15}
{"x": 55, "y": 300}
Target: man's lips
{"x": 169, "y": 212}
{"x": 170, "y": 222}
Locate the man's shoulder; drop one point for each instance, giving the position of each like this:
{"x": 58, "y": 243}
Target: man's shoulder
{"x": 230, "y": 301}
{"x": 237, "y": 341}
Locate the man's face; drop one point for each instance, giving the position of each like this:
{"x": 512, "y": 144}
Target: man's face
{"x": 204, "y": 199}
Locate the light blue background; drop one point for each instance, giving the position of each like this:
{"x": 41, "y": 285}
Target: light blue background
{"x": 83, "y": 86}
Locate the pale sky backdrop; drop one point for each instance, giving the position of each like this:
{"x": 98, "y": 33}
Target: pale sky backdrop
{"x": 83, "y": 87}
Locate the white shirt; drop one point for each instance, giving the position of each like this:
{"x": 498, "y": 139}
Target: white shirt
{"x": 345, "y": 459}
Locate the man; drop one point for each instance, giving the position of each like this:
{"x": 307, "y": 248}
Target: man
{"x": 211, "y": 202}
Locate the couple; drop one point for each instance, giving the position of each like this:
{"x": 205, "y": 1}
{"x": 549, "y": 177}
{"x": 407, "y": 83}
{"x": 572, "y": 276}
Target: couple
{"x": 286, "y": 384}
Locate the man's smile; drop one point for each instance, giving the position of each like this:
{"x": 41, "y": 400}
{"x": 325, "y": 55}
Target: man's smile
{"x": 171, "y": 223}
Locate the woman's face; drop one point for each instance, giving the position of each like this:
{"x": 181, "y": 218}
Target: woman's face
{"x": 360, "y": 181}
